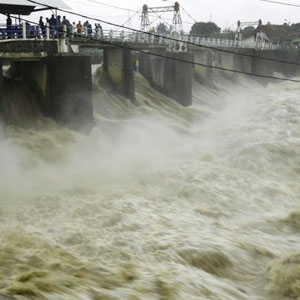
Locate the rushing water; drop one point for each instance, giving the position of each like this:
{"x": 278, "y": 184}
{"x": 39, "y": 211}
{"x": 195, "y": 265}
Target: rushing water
{"x": 159, "y": 201}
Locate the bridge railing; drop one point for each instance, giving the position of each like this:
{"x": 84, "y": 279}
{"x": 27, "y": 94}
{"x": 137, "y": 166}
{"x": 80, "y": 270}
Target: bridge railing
{"x": 20, "y": 32}
{"x": 27, "y": 31}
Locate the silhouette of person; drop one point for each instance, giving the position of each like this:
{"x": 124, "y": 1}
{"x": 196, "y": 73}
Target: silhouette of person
{"x": 8, "y": 26}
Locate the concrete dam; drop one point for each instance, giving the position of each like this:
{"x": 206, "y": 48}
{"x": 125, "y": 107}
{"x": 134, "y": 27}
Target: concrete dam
{"x": 138, "y": 167}
{"x": 62, "y": 82}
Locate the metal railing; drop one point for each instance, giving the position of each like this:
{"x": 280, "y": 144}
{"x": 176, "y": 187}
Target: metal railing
{"x": 27, "y": 31}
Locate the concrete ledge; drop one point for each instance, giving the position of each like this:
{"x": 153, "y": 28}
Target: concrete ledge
{"x": 28, "y": 46}
{"x": 23, "y": 56}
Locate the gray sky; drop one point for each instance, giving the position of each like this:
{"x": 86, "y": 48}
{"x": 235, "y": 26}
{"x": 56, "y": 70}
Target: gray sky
{"x": 224, "y": 13}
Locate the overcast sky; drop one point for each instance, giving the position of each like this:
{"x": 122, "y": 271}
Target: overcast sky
{"x": 223, "y": 12}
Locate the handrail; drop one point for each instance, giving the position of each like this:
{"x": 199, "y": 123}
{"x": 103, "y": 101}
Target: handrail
{"x": 27, "y": 31}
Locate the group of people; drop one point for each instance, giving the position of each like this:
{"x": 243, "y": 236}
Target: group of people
{"x": 57, "y": 25}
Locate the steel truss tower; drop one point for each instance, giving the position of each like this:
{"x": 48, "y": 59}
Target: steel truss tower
{"x": 177, "y": 21}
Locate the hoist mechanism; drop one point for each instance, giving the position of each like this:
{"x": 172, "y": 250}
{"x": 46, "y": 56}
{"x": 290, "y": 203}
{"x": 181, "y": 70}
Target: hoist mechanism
{"x": 177, "y": 21}
{"x": 260, "y": 36}
{"x": 176, "y": 29}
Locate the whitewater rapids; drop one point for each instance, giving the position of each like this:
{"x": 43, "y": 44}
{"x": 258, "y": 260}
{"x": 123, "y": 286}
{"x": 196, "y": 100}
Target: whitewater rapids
{"x": 159, "y": 201}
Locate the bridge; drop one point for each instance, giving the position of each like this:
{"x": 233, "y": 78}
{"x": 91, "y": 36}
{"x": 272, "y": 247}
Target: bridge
{"x": 135, "y": 38}
{"x": 50, "y": 61}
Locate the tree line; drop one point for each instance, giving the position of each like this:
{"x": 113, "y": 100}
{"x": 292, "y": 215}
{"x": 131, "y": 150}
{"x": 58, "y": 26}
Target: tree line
{"x": 285, "y": 32}
{"x": 207, "y": 30}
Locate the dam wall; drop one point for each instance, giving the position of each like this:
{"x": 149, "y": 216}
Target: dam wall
{"x": 61, "y": 84}
{"x": 118, "y": 66}
{"x": 172, "y": 77}
{"x": 257, "y": 62}
{"x": 62, "y": 88}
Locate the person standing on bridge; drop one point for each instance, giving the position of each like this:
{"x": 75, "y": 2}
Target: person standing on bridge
{"x": 99, "y": 27}
{"x": 89, "y": 30}
{"x": 42, "y": 26}
{"x": 8, "y": 26}
{"x": 79, "y": 28}
{"x": 68, "y": 25}
{"x": 73, "y": 30}
{"x": 58, "y": 27}
{"x": 52, "y": 23}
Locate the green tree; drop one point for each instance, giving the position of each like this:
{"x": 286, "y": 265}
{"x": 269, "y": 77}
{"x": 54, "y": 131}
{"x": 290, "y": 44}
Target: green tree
{"x": 162, "y": 29}
{"x": 205, "y": 29}
{"x": 227, "y": 34}
{"x": 248, "y": 31}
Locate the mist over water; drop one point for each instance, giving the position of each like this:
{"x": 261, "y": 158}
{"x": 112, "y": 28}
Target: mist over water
{"x": 159, "y": 201}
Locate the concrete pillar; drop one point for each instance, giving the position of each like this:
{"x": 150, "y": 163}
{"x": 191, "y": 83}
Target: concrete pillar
{"x": 242, "y": 63}
{"x": 128, "y": 74}
{"x": 63, "y": 89}
{"x": 122, "y": 35}
{"x": 70, "y": 91}
{"x": 170, "y": 76}
{"x": 203, "y": 74}
{"x": 98, "y": 33}
{"x": 119, "y": 65}
{"x": 183, "y": 78}
{"x": 24, "y": 29}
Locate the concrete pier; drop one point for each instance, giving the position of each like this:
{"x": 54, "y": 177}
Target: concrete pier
{"x": 203, "y": 74}
{"x": 70, "y": 91}
{"x": 62, "y": 85}
{"x": 178, "y": 77}
{"x": 252, "y": 62}
{"x": 171, "y": 77}
{"x": 118, "y": 66}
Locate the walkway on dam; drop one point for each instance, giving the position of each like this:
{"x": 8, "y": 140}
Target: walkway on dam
{"x": 135, "y": 38}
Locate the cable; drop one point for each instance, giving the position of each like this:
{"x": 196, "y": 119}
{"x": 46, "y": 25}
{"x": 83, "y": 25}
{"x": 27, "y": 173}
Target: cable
{"x": 158, "y": 17}
{"x": 109, "y": 5}
{"x": 169, "y": 38}
{"x": 90, "y": 5}
{"x": 282, "y": 3}
{"x": 188, "y": 14}
{"x": 146, "y": 52}
{"x": 130, "y": 18}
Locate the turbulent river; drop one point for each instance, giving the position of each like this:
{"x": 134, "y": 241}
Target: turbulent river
{"x": 158, "y": 201}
